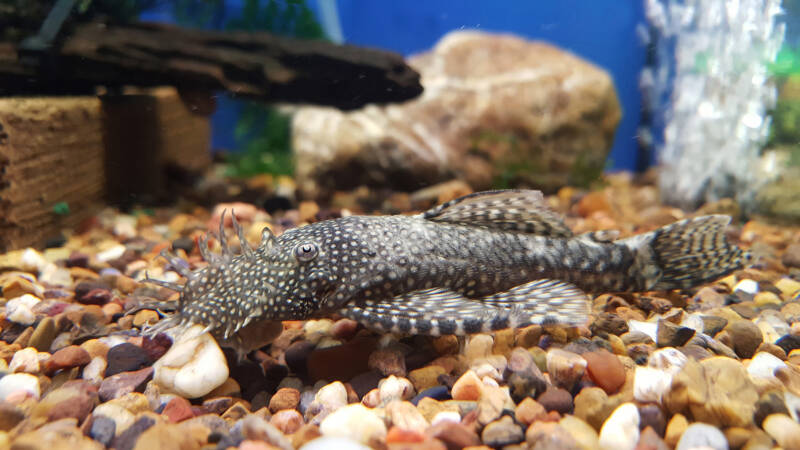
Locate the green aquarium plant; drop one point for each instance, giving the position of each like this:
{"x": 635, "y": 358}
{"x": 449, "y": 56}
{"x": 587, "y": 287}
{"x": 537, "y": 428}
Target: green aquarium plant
{"x": 785, "y": 126}
{"x": 784, "y": 133}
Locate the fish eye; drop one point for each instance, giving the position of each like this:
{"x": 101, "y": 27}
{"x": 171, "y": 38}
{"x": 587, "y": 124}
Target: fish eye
{"x": 306, "y": 252}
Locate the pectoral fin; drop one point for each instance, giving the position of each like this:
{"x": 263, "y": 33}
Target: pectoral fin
{"x": 442, "y": 311}
{"x": 545, "y": 301}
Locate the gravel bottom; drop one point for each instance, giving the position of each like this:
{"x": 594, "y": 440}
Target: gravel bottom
{"x": 715, "y": 367}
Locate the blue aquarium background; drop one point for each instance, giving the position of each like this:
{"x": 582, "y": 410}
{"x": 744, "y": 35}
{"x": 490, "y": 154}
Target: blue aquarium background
{"x": 601, "y": 31}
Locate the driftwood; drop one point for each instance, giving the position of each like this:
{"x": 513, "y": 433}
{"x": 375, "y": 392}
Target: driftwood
{"x": 259, "y": 66}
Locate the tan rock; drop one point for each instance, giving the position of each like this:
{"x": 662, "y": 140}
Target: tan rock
{"x": 783, "y": 429}
{"x": 716, "y": 391}
{"x": 495, "y": 107}
{"x": 593, "y": 406}
{"x": 467, "y": 387}
{"x": 426, "y": 377}
{"x": 675, "y": 428}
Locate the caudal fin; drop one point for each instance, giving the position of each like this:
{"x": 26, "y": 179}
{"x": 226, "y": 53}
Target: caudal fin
{"x": 686, "y": 253}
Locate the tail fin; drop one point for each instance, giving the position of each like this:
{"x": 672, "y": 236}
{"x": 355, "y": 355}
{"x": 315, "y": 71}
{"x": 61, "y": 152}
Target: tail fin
{"x": 686, "y": 253}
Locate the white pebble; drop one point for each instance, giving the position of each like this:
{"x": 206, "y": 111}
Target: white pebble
{"x": 16, "y": 382}
{"x": 565, "y": 368}
{"x": 112, "y": 341}
{"x": 95, "y": 370}
{"x": 405, "y": 415}
{"x": 25, "y": 360}
{"x": 771, "y": 326}
{"x": 136, "y": 266}
{"x": 193, "y": 366}
{"x": 317, "y": 329}
{"x": 783, "y": 429}
{"x": 333, "y": 395}
{"x": 372, "y": 399}
{"x": 56, "y": 276}
{"x": 693, "y": 321}
{"x": 111, "y": 253}
{"x": 668, "y": 359}
{"x": 702, "y": 436}
{"x": 478, "y": 346}
{"x": 394, "y": 388}
{"x": 329, "y": 442}
{"x": 621, "y": 430}
{"x": 446, "y": 416}
{"x": 747, "y": 286}
{"x": 121, "y": 416}
{"x": 650, "y": 384}
{"x": 648, "y": 328}
{"x": 486, "y": 370}
{"x": 32, "y": 261}
{"x": 356, "y": 422}
{"x": 124, "y": 226}
{"x": 327, "y": 399}
{"x": 763, "y": 365}
{"x": 18, "y": 309}
{"x": 328, "y": 342}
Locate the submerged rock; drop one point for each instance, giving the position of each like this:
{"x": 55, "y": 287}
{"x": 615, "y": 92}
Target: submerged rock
{"x": 494, "y": 107}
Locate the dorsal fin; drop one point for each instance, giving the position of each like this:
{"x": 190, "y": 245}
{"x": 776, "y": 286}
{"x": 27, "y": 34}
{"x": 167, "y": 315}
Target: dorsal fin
{"x": 524, "y": 211}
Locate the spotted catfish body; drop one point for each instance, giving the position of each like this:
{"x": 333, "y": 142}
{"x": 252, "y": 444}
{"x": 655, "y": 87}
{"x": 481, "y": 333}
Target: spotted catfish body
{"x": 487, "y": 261}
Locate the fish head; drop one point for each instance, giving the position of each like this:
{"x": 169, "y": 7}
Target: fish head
{"x": 298, "y": 270}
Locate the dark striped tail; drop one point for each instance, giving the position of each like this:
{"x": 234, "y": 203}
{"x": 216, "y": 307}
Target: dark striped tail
{"x": 686, "y": 254}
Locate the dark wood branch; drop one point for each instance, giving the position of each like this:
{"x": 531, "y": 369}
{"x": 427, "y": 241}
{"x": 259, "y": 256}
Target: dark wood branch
{"x": 259, "y": 66}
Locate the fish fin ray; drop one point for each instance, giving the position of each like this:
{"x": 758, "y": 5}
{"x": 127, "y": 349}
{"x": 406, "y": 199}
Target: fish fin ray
{"x": 686, "y": 253}
{"x": 523, "y": 211}
{"x": 428, "y": 312}
{"x": 544, "y": 301}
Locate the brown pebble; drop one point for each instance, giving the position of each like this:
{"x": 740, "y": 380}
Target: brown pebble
{"x": 287, "y": 420}
{"x": 745, "y": 337}
{"x": 125, "y": 284}
{"x": 454, "y": 435}
{"x": 791, "y": 256}
{"x": 605, "y": 370}
{"x": 145, "y": 317}
{"x": 670, "y": 335}
{"x": 19, "y": 286}
{"x": 342, "y": 362}
{"x": 388, "y": 361}
{"x": 594, "y": 406}
{"x": 556, "y": 399}
{"x": 43, "y": 335}
{"x": 529, "y": 336}
{"x": 285, "y": 398}
{"x": 708, "y": 298}
{"x": 549, "y": 435}
{"x": 529, "y": 411}
{"x": 124, "y": 383}
{"x": 446, "y": 345}
{"x": 344, "y": 329}
{"x": 156, "y": 436}
{"x": 178, "y": 409}
{"x": 426, "y": 377}
{"x": 71, "y": 356}
{"x": 24, "y": 338}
